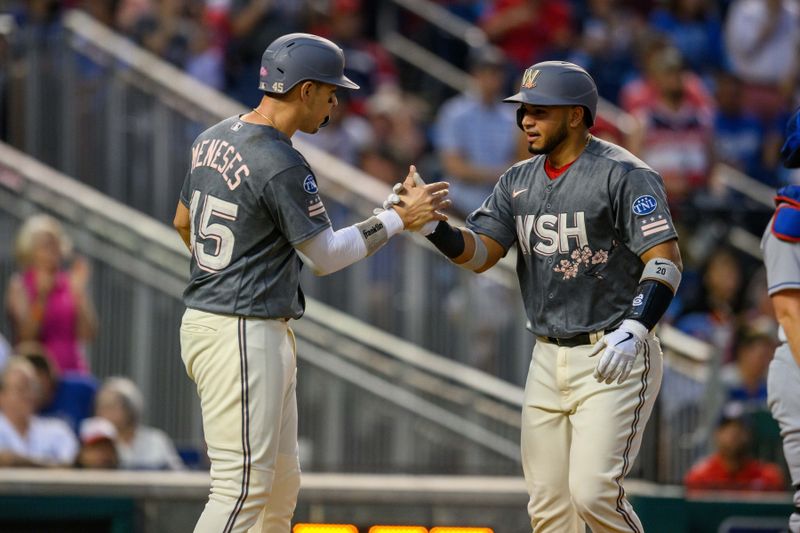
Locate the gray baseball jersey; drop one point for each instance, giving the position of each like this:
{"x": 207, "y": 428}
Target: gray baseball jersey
{"x": 782, "y": 260}
{"x": 579, "y": 236}
{"x": 251, "y": 198}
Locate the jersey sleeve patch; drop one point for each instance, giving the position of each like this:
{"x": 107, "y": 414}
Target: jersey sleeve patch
{"x": 786, "y": 223}
{"x": 652, "y": 225}
{"x": 644, "y": 205}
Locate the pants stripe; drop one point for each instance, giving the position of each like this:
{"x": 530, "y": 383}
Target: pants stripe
{"x": 245, "y": 428}
{"x": 620, "y": 508}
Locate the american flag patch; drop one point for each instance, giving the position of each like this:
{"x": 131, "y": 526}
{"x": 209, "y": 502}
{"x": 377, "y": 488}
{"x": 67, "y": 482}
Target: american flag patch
{"x": 315, "y": 207}
{"x": 654, "y": 225}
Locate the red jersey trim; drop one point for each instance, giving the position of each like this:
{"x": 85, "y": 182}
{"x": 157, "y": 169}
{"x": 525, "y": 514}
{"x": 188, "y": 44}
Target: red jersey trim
{"x": 553, "y": 172}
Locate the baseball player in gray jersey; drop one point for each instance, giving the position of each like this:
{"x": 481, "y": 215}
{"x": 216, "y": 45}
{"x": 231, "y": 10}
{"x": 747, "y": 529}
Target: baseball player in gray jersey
{"x": 598, "y": 264}
{"x": 781, "y": 247}
{"x": 250, "y": 213}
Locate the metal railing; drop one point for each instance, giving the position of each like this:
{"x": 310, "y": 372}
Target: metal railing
{"x": 376, "y": 402}
{"x": 126, "y": 120}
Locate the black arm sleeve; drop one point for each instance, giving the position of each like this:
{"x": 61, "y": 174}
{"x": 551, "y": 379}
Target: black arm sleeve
{"x": 650, "y": 303}
{"x": 448, "y": 240}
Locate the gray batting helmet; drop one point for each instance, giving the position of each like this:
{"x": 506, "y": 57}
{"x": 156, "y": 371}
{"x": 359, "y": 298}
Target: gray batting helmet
{"x": 557, "y": 83}
{"x": 297, "y": 57}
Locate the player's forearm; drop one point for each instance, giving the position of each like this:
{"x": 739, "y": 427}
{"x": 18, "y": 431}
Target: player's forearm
{"x": 789, "y": 319}
{"x": 463, "y": 247}
{"x": 331, "y": 251}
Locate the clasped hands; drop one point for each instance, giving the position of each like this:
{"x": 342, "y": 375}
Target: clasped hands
{"x": 419, "y": 204}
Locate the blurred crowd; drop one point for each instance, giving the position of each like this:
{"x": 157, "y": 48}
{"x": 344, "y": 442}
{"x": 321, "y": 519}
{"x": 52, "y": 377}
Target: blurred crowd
{"x": 700, "y": 82}
{"x": 53, "y": 411}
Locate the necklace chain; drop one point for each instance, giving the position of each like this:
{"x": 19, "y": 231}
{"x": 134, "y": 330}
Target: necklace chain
{"x": 265, "y": 117}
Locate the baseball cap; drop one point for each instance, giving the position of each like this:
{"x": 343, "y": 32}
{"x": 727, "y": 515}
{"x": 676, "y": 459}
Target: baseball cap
{"x": 95, "y": 429}
{"x": 733, "y": 411}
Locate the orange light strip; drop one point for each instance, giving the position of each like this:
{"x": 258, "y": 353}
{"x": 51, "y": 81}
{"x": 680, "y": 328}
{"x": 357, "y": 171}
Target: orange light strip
{"x": 461, "y": 530}
{"x": 398, "y": 529}
{"x": 324, "y": 528}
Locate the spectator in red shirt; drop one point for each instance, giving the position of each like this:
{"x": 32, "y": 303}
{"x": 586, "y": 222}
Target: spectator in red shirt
{"x": 529, "y": 30}
{"x": 732, "y": 467}
{"x": 676, "y": 124}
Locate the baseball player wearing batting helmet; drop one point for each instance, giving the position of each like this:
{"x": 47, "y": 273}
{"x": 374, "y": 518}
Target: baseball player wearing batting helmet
{"x": 781, "y": 247}
{"x": 251, "y": 214}
{"x": 598, "y": 264}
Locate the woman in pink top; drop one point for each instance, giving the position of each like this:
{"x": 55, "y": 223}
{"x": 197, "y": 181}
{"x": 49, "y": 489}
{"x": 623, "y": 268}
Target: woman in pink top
{"x": 46, "y": 303}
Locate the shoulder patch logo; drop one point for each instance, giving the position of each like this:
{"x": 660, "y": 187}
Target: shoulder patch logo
{"x": 644, "y": 205}
{"x": 310, "y": 185}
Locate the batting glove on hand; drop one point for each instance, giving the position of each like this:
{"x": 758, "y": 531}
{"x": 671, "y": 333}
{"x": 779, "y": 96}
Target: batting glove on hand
{"x": 394, "y": 199}
{"x": 619, "y": 351}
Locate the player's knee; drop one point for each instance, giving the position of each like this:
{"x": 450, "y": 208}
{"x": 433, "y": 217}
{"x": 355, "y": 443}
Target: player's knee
{"x": 283, "y": 498}
{"x": 590, "y": 494}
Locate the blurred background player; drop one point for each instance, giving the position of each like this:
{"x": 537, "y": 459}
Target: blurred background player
{"x": 782, "y": 258}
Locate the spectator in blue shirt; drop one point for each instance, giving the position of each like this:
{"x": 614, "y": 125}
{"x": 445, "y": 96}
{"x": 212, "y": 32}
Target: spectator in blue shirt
{"x": 738, "y": 135}
{"x": 68, "y": 397}
{"x": 694, "y": 28}
{"x": 475, "y": 135}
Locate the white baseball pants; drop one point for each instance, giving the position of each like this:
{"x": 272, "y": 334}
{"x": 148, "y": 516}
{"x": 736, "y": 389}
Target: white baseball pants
{"x": 245, "y": 371}
{"x": 580, "y": 438}
{"x": 783, "y": 388}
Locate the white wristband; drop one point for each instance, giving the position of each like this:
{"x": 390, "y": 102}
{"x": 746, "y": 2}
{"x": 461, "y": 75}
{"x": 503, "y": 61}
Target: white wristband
{"x": 391, "y": 221}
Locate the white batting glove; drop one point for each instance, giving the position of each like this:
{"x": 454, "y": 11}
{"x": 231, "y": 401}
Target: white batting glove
{"x": 619, "y": 348}
{"x": 394, "y": 199}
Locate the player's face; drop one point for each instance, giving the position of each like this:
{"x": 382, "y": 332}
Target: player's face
{"x": 545, "y": 127}
{"x": 322, "y": 100}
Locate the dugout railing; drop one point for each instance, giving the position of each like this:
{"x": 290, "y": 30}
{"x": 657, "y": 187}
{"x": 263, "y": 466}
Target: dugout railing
{"x": 95, "y": 106}
{"x": 369, "y": 401}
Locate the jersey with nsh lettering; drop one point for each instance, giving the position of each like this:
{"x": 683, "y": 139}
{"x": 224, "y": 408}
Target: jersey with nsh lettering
{"x": 251, "y": 198}
{"x": 579, "y": 236}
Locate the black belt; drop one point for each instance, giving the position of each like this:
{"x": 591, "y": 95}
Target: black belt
{"x": 578, "y": 340}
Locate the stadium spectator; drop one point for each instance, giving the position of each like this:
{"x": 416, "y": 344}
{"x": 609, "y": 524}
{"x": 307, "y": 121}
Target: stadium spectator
{"x": 744, "y": 380}
{"x": 254, "y": 24}
{"x": 694, "y": 28}
{"x": 98, "y": 448}
{"x": 675, "y": 130}
{"x": 367, "y": 63}
{"x": 47, "y": 303}
{"x": 529, "y": 31}
{"x": 710, "y": 312}
{"x": 25, "y": 439}
{"x": 68, "y": 397}
{"x": 762, "y": 38}
{"x": 473, "y": 158}
{"x": 731, "y": 466}
{"x": 139, "y": 447}
{"x": 396, "y": 120}
{"x": 605, "y": 47}
{"x": 738, "y": 134}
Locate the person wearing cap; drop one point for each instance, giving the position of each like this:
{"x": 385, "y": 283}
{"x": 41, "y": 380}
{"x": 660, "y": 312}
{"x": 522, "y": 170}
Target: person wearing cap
{"x": 598, "y": 264}
{"x": 475, "y": 137}
{"x": 140, "y": 447}
{"x": 782, "y": 259}
{"x": 98, "y": 444}
{"x": 251, "y": 214}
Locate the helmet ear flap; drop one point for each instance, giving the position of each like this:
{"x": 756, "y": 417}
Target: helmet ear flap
{"x": 520, "y": 116}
